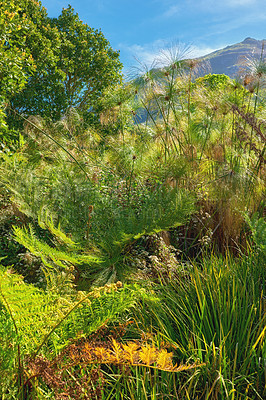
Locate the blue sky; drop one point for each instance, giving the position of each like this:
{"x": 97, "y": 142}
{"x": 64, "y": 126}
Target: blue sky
{"x": 140, "y": 28}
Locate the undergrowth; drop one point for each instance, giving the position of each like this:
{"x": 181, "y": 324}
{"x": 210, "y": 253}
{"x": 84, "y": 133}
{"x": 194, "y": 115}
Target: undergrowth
{"x": 141, "y": 241}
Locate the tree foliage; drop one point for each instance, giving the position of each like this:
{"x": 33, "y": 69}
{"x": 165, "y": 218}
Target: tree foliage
{"x": 48, "y": 65}
{"x": 95, "y": 59}
{"x": 16, "y": 61}
{"x": 26, "y": 46}
{"x": 74, "y": 63}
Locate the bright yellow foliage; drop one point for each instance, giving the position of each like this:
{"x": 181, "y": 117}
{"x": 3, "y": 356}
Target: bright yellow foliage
{"x": 133, "y": 353}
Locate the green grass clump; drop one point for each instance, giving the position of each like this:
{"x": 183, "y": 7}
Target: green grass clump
{"x": 216, "y": 314}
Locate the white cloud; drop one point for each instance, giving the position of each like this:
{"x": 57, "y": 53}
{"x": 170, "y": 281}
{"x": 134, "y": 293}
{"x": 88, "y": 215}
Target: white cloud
{"x": 160, "y": 53}
{"x": 200, "y": 51}
{"x": 240, "y": 2}
{"x": 216, "y": 6}
{"x": 146, "y": 54}
{"x": 232, "y": 24}
{"x": 171, "y": 12}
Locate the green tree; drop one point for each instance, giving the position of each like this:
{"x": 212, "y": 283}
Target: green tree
{"x": 82, "y": 65}
{"x": 27, "y": 43}
{"x": 86, "y": 58}
{"x": 16, "y": 61}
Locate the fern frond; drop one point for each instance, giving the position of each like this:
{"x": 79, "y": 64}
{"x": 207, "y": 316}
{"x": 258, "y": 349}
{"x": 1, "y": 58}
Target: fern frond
{"x": 51, "y": 256}
{"x": 47, "y": 319}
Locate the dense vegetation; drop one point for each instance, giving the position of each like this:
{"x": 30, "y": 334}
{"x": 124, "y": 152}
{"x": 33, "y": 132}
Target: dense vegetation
{"x": 133, "y": 233}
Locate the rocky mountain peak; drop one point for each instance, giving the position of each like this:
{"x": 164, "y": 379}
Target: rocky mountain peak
{"x": 250, "y": 40}
{"x": 229, "y": 60}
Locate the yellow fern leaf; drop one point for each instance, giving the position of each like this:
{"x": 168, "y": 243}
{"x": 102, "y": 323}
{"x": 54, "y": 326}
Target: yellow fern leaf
{"x": 131, "y": 352}
{"x": 148, "y": 355}
{"x": 183, "y": 367}
{"x": 118, "y": 352}
{"x": 103, "y": 355}
{"x": 164, "y": 360}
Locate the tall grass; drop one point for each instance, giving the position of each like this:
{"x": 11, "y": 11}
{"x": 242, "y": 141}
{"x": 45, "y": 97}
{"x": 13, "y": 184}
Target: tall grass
{"x": 216, "y": 314}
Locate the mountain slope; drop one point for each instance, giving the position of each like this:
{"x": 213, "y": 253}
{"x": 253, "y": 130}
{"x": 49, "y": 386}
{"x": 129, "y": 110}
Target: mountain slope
{"x": 228, "y": 60}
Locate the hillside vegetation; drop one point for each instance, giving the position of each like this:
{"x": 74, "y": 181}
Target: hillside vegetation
{"x": 132, "y": 219}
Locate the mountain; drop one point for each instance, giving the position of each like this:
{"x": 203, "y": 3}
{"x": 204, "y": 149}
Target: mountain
{"x": 228, "y": 60}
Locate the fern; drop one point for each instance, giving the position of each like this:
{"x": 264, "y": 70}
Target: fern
{"x": 33, "y": 321}
{"x": 79, "y": 210}
{"x": 51, "y": 256}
